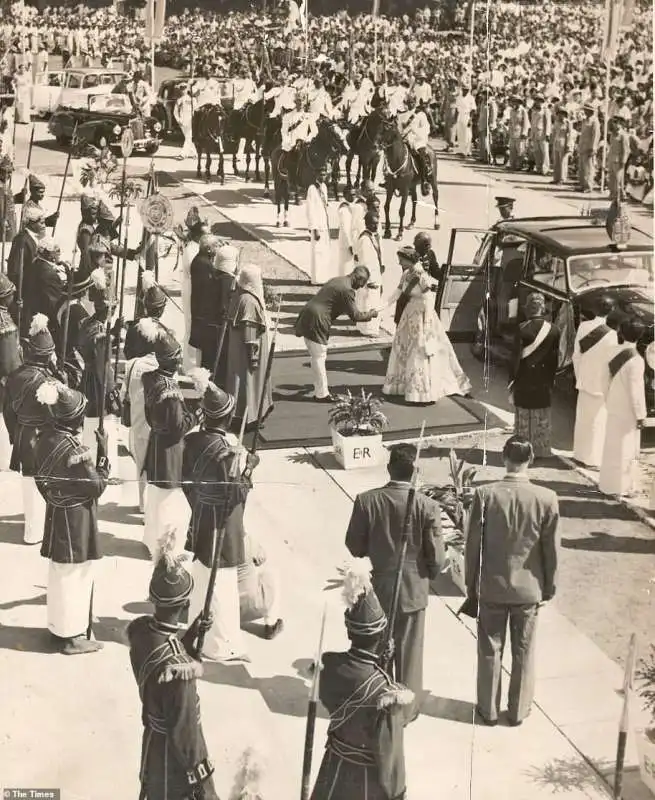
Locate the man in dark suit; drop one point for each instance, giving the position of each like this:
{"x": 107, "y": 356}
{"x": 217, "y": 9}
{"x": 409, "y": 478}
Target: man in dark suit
{"x": 20, "y": 262}
{"x": 334, "y": 299}
{"x": 510, "y": 569}
{"x": 375, "y": 531}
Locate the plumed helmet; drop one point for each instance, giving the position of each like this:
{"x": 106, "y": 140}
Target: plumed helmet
{"x": 167, "y": 348}
{"x": 105, "y": 213}
{"x": 171, "y": 584}
{"x": 6, "y": 165}
{"x": 193, "y": 218}
{"x": 39, "y": 345}
{"x": 154, "y": 297}
{"x": 35, "y": 184}
{"x": 64, "y": 404}
{"x": 216, "y": 403}
{"x": 364, "y": 615}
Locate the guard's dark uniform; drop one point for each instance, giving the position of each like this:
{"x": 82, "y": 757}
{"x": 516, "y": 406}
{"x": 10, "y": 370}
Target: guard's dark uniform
{"x": 138, "y": 342}
{"x": 92, "y": 344}
{"x": 10, "y": 358}
{"x": 24, "y": 415}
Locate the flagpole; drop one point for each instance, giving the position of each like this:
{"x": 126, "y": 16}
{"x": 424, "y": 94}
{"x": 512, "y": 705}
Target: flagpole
{"x": 471, "y": 37}
{"x": 376, "y": 8}
{"x": 152, "y": 44}
{"x": 606, "y": 122}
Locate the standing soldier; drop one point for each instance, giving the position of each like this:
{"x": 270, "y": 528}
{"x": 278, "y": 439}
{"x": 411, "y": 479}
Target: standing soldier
{"x": 619, "y": 152}
{"x": 563, "y": 136}
{"x": 36, "y": 189}
{"x": 174, "y": 763}
{"x": 140, "y": 337}
{"x": 519, "y": 126}
{"x": 89, "y": 208}
{"x": 364, "y": 753}
{"x": 25, "y": 417}
{"x": 541, "y": 124}
{"x": 375, "y": 531}
{"x": 318, "y": 223}
{"x": 487, "y": 122}
{"x": 415, "y": 129}
{"x": 169, "y": 422}
{"x": 7, "y": 206}
{"x": 346, "y": 249}
{"x": 23, "y": 253}
{"x": 588, "y": 144}
{"x": 71, "y": 487}
{"x": 217, "y": 498}
{"x": 10, "y": 358}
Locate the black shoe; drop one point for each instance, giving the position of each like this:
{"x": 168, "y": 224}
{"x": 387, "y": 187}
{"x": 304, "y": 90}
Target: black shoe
{"x": 271, "y": 631}
{"x": 514, "y": 723}
{"x": 327, "y": 399}
{"x": 480, "y": 717}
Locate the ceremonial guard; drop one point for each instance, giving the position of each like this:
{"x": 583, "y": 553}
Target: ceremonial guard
{"x": 196, "y": 228}
{"x": 48, "y": 280}
{"x": 593, "y": 348}
{"x": 318, "y": 223}
{"x": 7, "y": 206}
{"x": 169, "y": 422}
{"x": 563, "y": 141}
{"x": 368, "y": 253}
{"x": 533, "y": 375}
{"x": 89, "y": 208}
{"x": 71, "y": 486}
{"x": 298, "y": 126}
{"x": 10, "y": 358}
{"x": 36, "y": 189}
{"x": 346, "y": 245}
{"x": 24, "y": 417}
{"x": 139, "y": 338}
{"x": 24, "y": 248}
{"x": 364, "y": 753}
{"x": 626, "y": 412}
{"x": 244, "y": 89}
{"x": 175, "y": 764}
{"x": 519, "y": 126}
{"x": 375, "y": 531}
{"x": 415, "y": 128}
{"x": 217, "y": 492}
{"x": 588, "y": 144}
{"x": 619, "y": 152}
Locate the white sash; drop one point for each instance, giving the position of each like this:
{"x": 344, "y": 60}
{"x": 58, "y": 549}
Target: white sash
{"x": 541, "y": 336}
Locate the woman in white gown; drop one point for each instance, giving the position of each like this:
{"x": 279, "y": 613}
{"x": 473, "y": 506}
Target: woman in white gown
{"x": 196, "y": 228}
{"x": 423, "y": 366}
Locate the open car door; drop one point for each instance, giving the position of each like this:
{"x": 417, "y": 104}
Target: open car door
{"x": 461, "y": 292}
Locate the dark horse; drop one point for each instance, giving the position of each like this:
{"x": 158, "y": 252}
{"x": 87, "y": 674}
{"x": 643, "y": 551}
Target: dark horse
{"x": 403, "y": 175}
{"x": 207, "y": 128}
{"x": 249, "y": 123}
{"x": 300, "y": 167}
{"x": 363, "y": 141}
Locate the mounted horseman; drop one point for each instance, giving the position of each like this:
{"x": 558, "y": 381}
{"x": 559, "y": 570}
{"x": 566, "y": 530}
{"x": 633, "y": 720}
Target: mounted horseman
{"x": 365, "y": 112}
{"x": 208, "y": 123}
{"x": 247, "y": 121}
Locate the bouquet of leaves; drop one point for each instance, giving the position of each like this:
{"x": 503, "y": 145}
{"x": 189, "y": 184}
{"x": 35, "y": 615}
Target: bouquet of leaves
{"x": 100, "y": 166}
{"x": 456, "y": 496}
{"x": 271, "y": 297}
{"x": 646, "y": 676}
{"x": 358, "y": 414}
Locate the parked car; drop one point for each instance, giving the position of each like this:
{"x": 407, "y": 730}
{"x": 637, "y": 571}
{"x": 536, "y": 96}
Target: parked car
{"x": 70, "y": 88}
{"x": 168, "y": 94}
{"x": 103, "y": 121}
{"x": 571, "y": 260}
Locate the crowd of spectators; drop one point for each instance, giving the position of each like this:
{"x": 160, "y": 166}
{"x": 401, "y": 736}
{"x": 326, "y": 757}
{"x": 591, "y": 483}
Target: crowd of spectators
{"x": 550, "y": 49}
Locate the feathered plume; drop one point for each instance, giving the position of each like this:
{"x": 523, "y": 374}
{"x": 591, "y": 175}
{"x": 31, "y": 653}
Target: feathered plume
{"x": 147, "y": 280}
{"x": 356, "y": 580}
{"x": 39, "y": 324}
{"x": 247, "y": 782}
{"x": 149, "y": 329}
{"x": 48, "y": 393}
{"x": 99, "y": 278}
{"x": 165, "y": 549}
{"x": 200, "y": 377}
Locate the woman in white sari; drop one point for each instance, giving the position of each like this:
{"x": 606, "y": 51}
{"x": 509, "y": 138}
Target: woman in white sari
{"x": 196, "y": 228}
{"x": 423, "y": 366}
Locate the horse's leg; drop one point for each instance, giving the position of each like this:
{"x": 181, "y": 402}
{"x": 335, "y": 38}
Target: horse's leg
{"x": 199, "y": 162}
{"x": 361, "y": 172}
{"x": 278, "y": 199}
{"x": 387, "y": 209}
{"x": 247, "y": 150}
{"x": 286, "y": 205}
{"x": 221, "y": 167}
{"x": 208, "y": 164}
{"x": 435, "y": 195}
{"x": 258, "y": 175}
{"x": 414, "y": 195}
{"x": 267, "y": 175}
{"x": 401, "y": 212}
{"x": 235, "y": 168}
{"x": 349, "y": 165}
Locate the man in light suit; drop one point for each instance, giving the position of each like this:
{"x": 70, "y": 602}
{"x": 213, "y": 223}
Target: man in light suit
{"x": 375, "y": 531}
{"x": 510, "y": 569}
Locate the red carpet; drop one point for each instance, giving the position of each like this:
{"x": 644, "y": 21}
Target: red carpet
{"x": 298, "y": 421}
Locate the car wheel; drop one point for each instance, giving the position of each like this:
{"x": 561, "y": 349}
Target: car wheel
{"x": 479, "y": 344}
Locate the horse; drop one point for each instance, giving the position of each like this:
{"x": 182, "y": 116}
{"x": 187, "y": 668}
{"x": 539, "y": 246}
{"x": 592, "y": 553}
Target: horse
{"x": 249, "y": 123}
{"x": 363, "y": 142}
{"x": 403, "y": 175}
{"x": 207, "y": 126}
{"x": 299, "y": 167}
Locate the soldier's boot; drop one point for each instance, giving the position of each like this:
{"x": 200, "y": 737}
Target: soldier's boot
{"x": 426, "y": 176}
{"x": 79, "y": 645}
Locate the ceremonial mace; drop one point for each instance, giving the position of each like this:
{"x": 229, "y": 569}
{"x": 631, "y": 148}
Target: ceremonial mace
{"x": 386, "y": 656}
{"x": 63, "y": 182}
{"x": 267, "y": 378}
{"x": 218, "y": 540}
{"x": 19, "y": 288}
{"x": 311, "y": 714}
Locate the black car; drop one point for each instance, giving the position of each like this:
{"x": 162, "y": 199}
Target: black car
{"x": 102, "y": 124}
{"x": 570, "y": 260}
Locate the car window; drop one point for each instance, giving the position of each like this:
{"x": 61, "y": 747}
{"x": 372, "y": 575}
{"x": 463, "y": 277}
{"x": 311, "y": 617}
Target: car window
{"x": 55, "y": 79}
{"x": 113, "y": 103}
{"x": 107, "y": 79}
{"x": 546, "y": 268}
{"x": 74, "y": 82}
{"x": 611, "y": 269}
{"x": 90, "y": 81}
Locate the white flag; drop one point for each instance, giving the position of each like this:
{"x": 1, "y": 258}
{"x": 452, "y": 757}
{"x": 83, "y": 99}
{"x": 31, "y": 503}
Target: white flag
{"x": 155, "y": 19}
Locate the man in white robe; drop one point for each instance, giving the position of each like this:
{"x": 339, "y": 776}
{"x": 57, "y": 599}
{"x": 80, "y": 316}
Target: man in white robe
{"x": 594, "y": 343}
{"x": 626, "y": 412}
{"x": 465, "y": 107}
{"x": 318, "y": 223}
{"x": 346, "y": 249}
{"x": 368, "y": 253}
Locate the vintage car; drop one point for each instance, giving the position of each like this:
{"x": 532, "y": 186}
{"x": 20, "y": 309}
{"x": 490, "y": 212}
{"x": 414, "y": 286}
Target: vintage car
{"x": 571, "y": 260}
{"x": 168, "y": 94}
{"x": 102, "y": 124}
{"x": 70, "y": 88}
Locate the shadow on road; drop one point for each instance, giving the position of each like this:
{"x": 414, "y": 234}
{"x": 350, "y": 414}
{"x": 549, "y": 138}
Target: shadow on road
{"x": 602, "y": 542}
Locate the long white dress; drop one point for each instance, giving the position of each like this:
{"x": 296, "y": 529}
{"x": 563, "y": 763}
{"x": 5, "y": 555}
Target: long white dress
{"x": 321, "y": 268}
{"x": 423, "y": 366}
{"x": 190, "y": 355}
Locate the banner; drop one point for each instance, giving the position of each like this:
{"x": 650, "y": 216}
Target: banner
{"x": 618, "y": 14}
{"x": 155, "y": 19}
{"x": 376, "y": 8}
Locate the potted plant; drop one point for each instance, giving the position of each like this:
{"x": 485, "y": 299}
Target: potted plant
{"x": 646, "y": 736}
{"x": 454, "y": 500}
{"x": 356, "y": 424}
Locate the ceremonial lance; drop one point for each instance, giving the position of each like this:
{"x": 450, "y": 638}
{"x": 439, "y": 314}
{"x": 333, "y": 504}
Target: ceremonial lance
{"x": 218, "y": 540}
{"x": 311, "y": 714}
{"x": 267, "y": 379}
{"x": 63, "y": 181}
{"x": 67, "y": 313}
{"x": 387, "y": 648}
{"x": 105, "y": 371}
{"x": 19, "y": 288}
{"x": 226, "y": 311}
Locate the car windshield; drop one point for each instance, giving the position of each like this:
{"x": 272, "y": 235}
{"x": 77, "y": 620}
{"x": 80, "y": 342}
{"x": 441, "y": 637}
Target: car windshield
{"x": 114, "y": 103}
{"x": 631, "y": 269}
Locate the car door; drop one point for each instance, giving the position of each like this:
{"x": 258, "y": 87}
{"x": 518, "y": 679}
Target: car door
{"x": 461, "y": 291}
{"x": 46, "y": 92}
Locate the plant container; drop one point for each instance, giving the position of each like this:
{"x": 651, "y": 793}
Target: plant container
{"x": 646, "y": 750}
{"x": 356, "y": 452}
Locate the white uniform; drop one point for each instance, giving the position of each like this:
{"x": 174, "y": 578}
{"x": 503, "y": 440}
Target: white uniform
{"x": 346, "y": 249}
{"x": 183, "y": 113}
{"x": 592, "y": 383}
{"x": 369, "y": 254}
{"x": 321, "y": 104}
{"x": 318, "y": 220}
{"x": 626, "y": 403}
{"x": 361, "y": 105}
{"x": 285, "y": 99}
{"x": 244, "y": 89}
{"x": 415, "y": 128}
{"x": 423, "y": 92}
{"x": 465, "y": 106}
{"x": 396, "y": 98}
{"x": 297, "y": 125}
{"x": 347, "y": 99}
